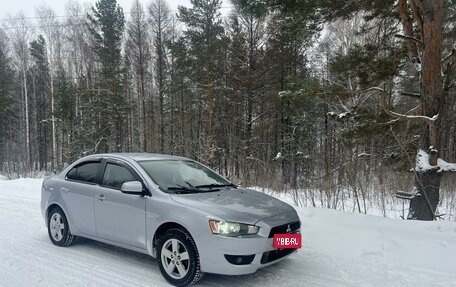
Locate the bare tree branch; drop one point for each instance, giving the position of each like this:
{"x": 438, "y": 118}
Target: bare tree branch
{"x": 452, "y": 55}
{"x": 406, "y": 37}
{"x": 412, "y": 95}
{"x": 407, "y": 116}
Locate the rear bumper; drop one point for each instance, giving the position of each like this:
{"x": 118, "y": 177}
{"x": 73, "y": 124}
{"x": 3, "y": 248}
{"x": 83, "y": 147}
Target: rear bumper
{"x": 44, "y": 203}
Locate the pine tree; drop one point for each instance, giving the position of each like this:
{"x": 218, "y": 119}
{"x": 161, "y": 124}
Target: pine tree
{"x": 6, "y": 101}
{"x": 205, "y": 38}
{"x": 161, "y": 27}
{"x": 423, "y": 39}
{"x": 139, "y": 55}
{"x": 65, "y": 114}
{"x": 246, "y": 83}
{"x": 106, "y": 25}
{"x": 41, "y": 100}
{"x": 180, "y": 90}
{"x": 5, "y": 77}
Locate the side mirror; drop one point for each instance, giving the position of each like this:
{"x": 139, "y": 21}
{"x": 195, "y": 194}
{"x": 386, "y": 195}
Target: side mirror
{"x": 132, "y": 187}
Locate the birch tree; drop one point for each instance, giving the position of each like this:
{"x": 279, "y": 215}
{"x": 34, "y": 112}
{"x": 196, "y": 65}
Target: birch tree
{"x": 51, "y": 29}
{"x": 20, "y": 42}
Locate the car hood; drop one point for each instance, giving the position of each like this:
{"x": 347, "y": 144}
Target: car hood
{"x": 237, "y": 205}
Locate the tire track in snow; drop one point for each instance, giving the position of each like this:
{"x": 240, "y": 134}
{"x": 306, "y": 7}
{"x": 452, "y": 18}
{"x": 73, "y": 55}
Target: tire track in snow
{"x": 27, "y": 258}
{"x": 95, "y": 264}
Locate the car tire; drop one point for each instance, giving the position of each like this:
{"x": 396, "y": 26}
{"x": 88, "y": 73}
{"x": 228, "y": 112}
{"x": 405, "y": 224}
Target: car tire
{"x": 178, "y": 258}
{"x": 59, "y": 229}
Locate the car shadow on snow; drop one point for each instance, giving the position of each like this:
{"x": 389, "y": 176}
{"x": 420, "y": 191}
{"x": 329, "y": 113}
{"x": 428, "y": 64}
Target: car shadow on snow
{"x": 112, "y": 251}
{"x": 269, "y": 276}
{"x": 274, "y": 275}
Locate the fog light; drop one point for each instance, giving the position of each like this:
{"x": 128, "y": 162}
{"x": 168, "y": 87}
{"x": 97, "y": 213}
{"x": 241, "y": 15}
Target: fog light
{"x": 239, "y": 259}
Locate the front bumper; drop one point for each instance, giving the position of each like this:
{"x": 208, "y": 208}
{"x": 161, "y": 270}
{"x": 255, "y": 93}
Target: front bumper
{"x": 213, "y": 249}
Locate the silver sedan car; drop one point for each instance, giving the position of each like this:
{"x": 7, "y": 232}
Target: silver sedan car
{"x": 175, "y": 209}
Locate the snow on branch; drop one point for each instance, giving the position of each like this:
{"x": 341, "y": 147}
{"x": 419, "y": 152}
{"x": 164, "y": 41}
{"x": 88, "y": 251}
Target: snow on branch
{"x": 446, "y": 166}
{"x": 405, "y": 37}
{"x": 422, "y": 164}
{"x": 412, "y": 95}
{"x": 384, "y": 103}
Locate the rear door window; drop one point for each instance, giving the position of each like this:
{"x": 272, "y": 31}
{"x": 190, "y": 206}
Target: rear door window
{"x": 84, "y": 172}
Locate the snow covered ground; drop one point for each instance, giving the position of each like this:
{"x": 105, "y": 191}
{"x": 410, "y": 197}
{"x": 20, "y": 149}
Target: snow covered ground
{"x": 339, "y": 249}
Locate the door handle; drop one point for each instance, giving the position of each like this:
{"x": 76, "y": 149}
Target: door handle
{"x": 101, "y": 197}
{"x": 64, "y": 189}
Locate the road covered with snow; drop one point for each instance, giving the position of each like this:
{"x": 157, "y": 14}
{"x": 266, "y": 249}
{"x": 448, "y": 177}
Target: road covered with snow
{"x": 339, "y": 249}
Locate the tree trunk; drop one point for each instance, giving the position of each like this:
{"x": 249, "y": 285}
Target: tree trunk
{"x": 424, "y": 204}
{"x": 27, "y": 123}
{"x": 53, "y": 119}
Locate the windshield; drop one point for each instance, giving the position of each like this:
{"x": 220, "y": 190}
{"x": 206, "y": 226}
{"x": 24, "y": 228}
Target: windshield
{"x": 180, "y": 176}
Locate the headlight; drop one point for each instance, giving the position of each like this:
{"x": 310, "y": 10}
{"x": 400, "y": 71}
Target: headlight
{"x": 232, "y": 229}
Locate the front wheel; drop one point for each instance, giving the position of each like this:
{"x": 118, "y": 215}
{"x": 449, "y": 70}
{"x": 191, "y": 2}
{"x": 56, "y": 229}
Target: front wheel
{"x": 58, "y": 228}
{"x": 178, "y": 258}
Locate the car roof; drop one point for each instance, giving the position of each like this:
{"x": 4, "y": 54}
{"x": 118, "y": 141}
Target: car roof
{"x": 139, "y": 156}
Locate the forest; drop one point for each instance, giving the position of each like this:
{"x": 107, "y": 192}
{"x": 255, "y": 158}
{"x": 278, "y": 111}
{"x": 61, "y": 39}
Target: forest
{"x": 340, "y": 103}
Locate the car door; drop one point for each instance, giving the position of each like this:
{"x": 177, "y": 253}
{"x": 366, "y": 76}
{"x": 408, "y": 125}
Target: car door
{"x": 77, "y": 191}
{"x": 120, "y": 217}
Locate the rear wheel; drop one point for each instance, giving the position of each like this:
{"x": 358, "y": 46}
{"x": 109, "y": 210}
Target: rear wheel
{"x": 58, "y": 228}
{"x": 178, "y": 258}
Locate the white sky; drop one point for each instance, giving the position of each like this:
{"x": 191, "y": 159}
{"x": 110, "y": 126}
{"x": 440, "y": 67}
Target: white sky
{"x": 12, "y": 7}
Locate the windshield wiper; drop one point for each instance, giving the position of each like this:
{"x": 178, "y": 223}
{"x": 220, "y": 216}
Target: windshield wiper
{"x": 214, "y": 185}
{"x": 179, "y": 188}
{"x": 199, "y": 188}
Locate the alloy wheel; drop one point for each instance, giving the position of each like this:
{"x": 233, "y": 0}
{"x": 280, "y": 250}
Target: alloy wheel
{"x": 175, "y": 258}
{"x": 57, "y": 226}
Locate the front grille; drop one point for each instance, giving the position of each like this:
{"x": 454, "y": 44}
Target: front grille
{"x": 282, "y": 229}
{"x": 275, "y": 255}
